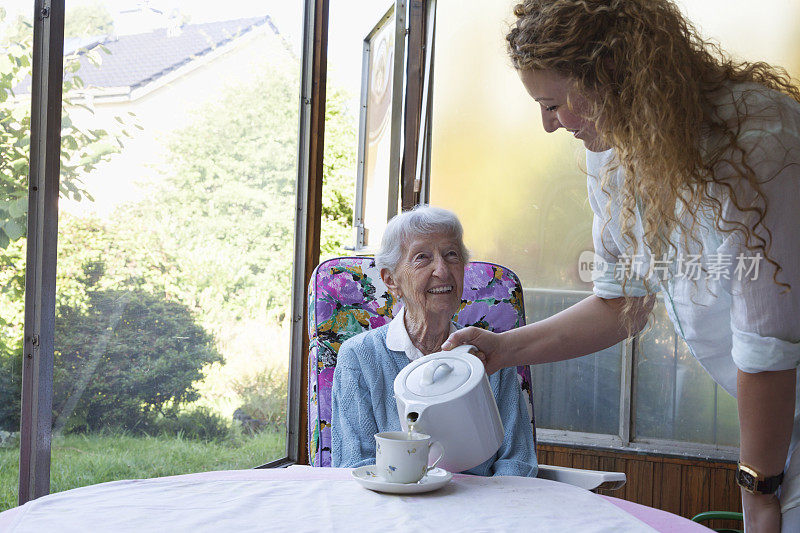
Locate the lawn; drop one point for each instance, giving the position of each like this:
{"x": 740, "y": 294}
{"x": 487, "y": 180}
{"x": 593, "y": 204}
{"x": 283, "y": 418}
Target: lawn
{"x": 80, "y": 460}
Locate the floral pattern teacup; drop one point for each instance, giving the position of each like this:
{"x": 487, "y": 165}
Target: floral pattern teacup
{"x": 402, "y": 457}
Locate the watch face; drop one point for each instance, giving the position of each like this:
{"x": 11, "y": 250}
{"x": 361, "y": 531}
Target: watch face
{"x": 746, "y": 480}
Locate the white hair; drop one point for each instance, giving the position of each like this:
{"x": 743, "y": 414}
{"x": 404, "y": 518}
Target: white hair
{"x": 422, "y": 220}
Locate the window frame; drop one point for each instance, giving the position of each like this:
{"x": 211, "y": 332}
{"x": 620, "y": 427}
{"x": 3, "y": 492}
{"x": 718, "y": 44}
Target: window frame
{"x": 308, "y": 216}
{"x": 42, "y": 233}
{"x": 409, "y": 163}
{"x": 358, "y": 211}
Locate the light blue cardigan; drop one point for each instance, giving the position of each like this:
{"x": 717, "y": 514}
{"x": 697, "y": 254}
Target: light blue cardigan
{"x": 363, "y": 404}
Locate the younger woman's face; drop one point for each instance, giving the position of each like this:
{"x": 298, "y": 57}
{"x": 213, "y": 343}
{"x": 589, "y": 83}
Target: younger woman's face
{"x": 551, "y": 90}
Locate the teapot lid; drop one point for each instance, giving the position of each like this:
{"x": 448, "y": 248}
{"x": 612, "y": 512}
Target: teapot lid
{"x": 440, "y": 373}
{"x": 438, "y": 376}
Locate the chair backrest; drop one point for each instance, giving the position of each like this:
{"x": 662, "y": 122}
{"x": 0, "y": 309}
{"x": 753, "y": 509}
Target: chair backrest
{"x": 346, "y": 296}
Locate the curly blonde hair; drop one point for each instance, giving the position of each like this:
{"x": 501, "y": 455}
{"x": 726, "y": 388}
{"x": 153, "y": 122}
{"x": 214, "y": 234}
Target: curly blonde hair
{"x": 654, "y": 82}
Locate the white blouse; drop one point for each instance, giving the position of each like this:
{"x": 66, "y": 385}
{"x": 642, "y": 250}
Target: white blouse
{"x": 731, "y": 308}
{"x": 730, "y": 312}
{"x": 397, "y": 338}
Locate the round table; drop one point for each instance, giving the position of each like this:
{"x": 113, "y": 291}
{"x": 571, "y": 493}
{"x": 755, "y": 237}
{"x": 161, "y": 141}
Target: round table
{"x": 302, "y": 498}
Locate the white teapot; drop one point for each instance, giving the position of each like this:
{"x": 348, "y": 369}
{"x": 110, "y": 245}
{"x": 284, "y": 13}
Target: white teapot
{"x": 447, "y": 396}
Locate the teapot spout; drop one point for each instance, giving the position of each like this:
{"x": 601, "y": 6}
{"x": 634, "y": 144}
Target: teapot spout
{"x": 412, "y": 416}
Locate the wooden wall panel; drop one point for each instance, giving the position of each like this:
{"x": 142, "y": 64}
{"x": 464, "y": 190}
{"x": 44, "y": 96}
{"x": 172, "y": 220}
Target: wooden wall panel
{"x": 640, "y": 482}
{"x": 561, "y": 458}
{"x": 585, "y": 460}
{"x": 678, "y": 485}
{"x": 723, "y": 493}
{"x": 670, "y": 488}
{"x": 658, "y": 482}
{"x": 544, "y": 457}
{"x": 608, "y": 463}
{"x": 695, "y": 490}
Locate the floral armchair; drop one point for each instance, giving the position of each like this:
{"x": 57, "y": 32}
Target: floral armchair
{"x": 347, "y": 296}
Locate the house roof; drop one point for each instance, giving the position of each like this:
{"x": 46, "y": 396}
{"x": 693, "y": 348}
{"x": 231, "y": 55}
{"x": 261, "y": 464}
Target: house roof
{"x": 136, "y": 60}
{"x": 139, "y": 59}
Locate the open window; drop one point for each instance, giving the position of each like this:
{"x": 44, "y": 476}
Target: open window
{"x": 376, "y": 125}
{"x": 394, "y": 127}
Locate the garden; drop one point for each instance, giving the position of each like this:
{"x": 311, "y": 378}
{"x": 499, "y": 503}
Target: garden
{"x": 172, "y": 334}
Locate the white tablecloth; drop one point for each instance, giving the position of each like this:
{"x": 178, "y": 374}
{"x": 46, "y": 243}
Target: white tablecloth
{"x": 305, "y": 499}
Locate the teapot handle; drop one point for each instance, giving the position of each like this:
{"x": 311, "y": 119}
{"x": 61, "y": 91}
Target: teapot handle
{"x": 465, "y": 348}
{"x": 431, "y": 368}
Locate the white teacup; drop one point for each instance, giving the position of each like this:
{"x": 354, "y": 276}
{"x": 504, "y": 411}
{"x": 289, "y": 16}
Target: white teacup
{"x": 402, "y": 457}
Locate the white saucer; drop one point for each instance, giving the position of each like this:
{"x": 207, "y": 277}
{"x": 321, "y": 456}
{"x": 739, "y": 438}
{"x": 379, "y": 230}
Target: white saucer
{"x": 435, "y": 479}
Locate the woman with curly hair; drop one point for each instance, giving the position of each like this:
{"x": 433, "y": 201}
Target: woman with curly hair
{"x": 693, "y": 164}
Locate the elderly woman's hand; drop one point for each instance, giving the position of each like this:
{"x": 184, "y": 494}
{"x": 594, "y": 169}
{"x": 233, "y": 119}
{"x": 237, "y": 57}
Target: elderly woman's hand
{"x": 490, "y": 346}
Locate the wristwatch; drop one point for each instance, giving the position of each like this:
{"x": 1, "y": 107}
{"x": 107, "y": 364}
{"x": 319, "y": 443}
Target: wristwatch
{"x": 755, "y": 482}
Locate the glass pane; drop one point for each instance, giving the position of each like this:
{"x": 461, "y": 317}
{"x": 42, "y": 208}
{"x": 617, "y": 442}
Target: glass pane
{"x": 350, "y": 23}
{"x": 521, "y": 195}
{"x": 175, "y": 238}
{"x": 768, "y": 33}
{"x": 376, "y": 134}
{"x": 16, "y": 43}
{"x": 580, "y": 394}
{"x": 675, "y": 397}
{"x": 493, "y": 165}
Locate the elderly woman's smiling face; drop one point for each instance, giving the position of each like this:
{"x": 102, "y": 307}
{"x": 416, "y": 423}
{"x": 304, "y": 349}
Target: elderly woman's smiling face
{"x": 430, "y": 276}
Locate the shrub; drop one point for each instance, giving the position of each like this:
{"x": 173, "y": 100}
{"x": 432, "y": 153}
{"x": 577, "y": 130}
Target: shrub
{"x": 124, "y": 358}
{"x": 199, "y": 423}
{"x": 264, "y": 396}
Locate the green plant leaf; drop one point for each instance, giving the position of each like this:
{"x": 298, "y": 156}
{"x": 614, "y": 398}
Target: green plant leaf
{"x": 20, "y": 166}
{"x": 70, "y": 142}
{"x": 13, "y": 230}
{"x": 18, "y": 207}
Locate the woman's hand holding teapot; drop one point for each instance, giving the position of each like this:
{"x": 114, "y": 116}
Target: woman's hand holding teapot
{"x": 490, "y": 347}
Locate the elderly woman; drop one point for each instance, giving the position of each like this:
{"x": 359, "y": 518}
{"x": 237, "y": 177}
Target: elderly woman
{"x": 421, "y": 260}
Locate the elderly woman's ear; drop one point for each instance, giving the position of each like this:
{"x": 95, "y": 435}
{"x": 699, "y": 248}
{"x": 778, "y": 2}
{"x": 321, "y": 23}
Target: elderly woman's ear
{"x": 389, "y": 280}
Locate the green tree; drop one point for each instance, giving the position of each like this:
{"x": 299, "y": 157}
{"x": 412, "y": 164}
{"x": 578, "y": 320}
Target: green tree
{"x": 125, "y": 350}
{"x": 81, "y": 150}
{"x": 19, "y": 30}
{"x": 12, "y": 291}
{"x": 124, "y": 358}
{"x": 10, "y": 384}
{"x": 225, "y": 208}
{"x": 215, "y": 237}
{"x": 339, "y": 175}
